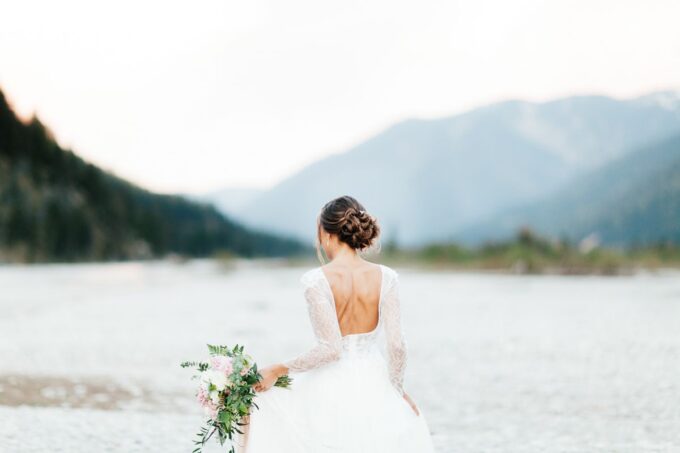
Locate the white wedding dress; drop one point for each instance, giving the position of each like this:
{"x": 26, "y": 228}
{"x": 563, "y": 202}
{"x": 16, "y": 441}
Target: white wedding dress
{"x": 345, "y": 397}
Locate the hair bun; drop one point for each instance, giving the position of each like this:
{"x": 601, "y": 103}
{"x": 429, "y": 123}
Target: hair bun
{"x": 358, "y": 229}
{"x": 347, "y": 218}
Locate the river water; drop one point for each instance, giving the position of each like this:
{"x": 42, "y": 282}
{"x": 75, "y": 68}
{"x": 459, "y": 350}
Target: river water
{"x": 89, "y": 354}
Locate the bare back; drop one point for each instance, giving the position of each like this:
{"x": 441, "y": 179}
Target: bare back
{"x": 356, "y": 294}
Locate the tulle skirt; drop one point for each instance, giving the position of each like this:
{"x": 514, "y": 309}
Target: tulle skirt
{"x": 349, "y": 406}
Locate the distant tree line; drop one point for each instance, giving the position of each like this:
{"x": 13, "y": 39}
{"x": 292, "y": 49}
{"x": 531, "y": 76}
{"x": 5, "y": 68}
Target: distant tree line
{"x": 528, "y": 252}
{"x": 56, "y": 206}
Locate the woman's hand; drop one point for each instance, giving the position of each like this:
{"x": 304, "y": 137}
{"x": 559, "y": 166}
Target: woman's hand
{"x": 411, "y": 403}
{"x": 269, "y": 377}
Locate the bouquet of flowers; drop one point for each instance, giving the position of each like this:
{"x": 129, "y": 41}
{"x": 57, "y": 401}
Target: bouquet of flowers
{"x": 226, "y": 392}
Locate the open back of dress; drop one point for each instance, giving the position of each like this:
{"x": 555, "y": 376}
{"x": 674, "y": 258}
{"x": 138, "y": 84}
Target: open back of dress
{"x": 356, "y": 298}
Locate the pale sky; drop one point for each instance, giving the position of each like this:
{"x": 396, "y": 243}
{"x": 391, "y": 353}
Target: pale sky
{"x": 191, "y": 97}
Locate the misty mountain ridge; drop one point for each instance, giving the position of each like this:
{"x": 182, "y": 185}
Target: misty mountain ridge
{"x": 427, "y": 180}
{"x": 633, "y": 200}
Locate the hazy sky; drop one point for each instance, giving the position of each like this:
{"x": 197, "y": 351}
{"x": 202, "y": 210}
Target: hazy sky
{"x": 193, "y": 96}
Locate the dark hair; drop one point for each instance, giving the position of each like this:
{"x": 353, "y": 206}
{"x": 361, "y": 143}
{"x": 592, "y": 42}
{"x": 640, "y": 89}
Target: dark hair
{"x": 347, "y": 218}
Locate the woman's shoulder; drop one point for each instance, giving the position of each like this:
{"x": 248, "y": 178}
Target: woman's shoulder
{"x": 389, "y": 272}
{"x": 315, "y": 275}
{"x": 311, "y": 277}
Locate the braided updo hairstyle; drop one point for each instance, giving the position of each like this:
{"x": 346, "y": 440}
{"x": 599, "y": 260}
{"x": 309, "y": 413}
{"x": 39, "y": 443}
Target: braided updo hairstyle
{"x": 347, "y": 218}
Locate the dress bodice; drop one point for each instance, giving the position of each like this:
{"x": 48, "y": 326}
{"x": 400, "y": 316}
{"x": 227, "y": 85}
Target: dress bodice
{"x": 360, "y": 342}
{"x": 332, "y": 345}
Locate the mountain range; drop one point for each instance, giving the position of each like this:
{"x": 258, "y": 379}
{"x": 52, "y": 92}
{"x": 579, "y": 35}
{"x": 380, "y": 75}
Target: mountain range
{"x": 633, "y": 200}
{"x": 442, "y": 179}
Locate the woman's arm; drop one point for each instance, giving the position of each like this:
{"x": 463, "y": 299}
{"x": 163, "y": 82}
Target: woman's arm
{"x": 396, "y": 345}
{"x": 326, "y": 329}
{"x": 329, "y": 341}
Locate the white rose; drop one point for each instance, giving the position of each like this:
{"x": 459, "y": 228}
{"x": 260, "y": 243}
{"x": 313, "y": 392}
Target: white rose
{"x": 218, "y": 379}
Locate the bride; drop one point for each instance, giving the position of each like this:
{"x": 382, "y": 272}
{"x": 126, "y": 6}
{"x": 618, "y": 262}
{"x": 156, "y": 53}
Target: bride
{"x": 345, "y": 398}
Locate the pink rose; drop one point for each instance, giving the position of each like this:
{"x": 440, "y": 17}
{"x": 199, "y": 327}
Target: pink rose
{"x": 203, "y": 397}
{"x": 222, "y": 363}
{"x": 210, "y": 411}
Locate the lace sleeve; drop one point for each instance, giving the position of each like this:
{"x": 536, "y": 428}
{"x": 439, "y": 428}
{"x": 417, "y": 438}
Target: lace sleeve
{"x": 325, "y": 325}
{"x": 396, "y": 345}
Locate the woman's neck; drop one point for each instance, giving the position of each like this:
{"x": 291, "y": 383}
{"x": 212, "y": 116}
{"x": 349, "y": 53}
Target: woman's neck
{"x": 345, "y": 255}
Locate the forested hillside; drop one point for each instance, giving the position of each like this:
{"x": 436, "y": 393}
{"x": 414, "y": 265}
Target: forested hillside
{"x": 56, "y": 206}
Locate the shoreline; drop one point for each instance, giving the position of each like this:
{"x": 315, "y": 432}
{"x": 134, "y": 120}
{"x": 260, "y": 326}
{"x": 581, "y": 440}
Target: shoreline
{"x": 518, "y": 268}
